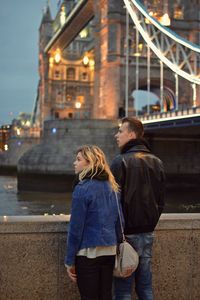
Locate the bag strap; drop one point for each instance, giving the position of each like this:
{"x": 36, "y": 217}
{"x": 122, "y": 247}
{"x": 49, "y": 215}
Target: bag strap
{"x": 120, "y": 217}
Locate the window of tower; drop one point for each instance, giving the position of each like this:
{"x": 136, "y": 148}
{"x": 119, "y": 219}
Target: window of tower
{"x": 84, "y": 76}
{"x": 71, "y": 74}
{"x": 57, "y": 74}
{"x": 178, "y": 12}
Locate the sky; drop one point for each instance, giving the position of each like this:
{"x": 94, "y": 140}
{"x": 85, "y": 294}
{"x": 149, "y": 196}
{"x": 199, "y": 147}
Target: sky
{"x": 19, "y": 25}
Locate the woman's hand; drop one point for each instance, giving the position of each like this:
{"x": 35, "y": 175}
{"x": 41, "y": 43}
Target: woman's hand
{"x": 72, "y": 273}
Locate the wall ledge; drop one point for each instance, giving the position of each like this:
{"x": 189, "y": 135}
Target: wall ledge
{"x": 58, "y": 223}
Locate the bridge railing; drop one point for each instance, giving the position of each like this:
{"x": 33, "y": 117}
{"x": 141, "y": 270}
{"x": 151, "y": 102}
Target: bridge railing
{"x": 170, "y": 115}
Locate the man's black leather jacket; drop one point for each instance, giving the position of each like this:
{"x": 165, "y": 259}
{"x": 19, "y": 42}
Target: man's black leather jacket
{"x": 141, "y": 177}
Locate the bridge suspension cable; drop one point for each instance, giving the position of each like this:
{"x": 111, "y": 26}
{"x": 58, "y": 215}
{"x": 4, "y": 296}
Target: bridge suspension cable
{"x": 180, "y": 55}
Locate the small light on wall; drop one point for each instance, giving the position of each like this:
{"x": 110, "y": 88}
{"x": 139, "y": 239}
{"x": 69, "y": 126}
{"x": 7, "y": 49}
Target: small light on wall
{"x": 86, "y": 60}
{"x": 92, "y": 63}
{"x": 62, "y": 16}
{"x": 51, "y": 61}
{"x": 54, "y": 130}
{"x": 78, "y": 104}
{"x": 165, "y": 20}
{"x": 6, "y": 147}
{"x": 57, "y": 56}
{"x": 18, "y": 131}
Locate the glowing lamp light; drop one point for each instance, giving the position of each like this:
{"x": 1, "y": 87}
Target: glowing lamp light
{"x": 84, "y": 33}
{"x": 54, "y": 130}
{"x": 51, "y": 61}
{"x": 86, "y": 60}
{"x": 57, "y": 56}
{"x": 28, "y": 123}
{"x": 6, "y": 147}
{"x": 151, "y": 14}
{"x": 91, "y": 63}
{"x": 165, "y": 20}
{"x": 137, "y": 54}
{"x": 18, "y": 131}
{"x": 62, "y": 16}
{"x": 78, "y": 105}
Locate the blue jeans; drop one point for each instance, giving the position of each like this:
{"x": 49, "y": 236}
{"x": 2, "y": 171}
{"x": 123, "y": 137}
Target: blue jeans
{"x": 142, "y": 277}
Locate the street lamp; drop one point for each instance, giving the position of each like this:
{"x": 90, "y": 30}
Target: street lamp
{"x": 86, "y": 60}
{"x": 78, "y": 105}
{"x": 57, "y": 56}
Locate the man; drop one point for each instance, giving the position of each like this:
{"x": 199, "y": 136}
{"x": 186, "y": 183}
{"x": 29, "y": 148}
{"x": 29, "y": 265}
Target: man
{"x": 140, "y": 175}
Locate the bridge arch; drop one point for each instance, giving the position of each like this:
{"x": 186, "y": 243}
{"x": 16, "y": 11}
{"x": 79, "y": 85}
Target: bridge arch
{"x": 147, "y": 101}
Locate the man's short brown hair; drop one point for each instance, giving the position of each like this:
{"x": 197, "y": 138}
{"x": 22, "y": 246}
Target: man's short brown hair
{"x": 135, "y": 125}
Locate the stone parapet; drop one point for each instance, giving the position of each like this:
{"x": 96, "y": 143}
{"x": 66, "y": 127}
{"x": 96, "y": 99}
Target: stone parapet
{"x": 32, "y": 250}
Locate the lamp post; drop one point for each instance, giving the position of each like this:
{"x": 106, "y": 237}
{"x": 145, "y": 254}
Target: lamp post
{"x": 78, "y": 106}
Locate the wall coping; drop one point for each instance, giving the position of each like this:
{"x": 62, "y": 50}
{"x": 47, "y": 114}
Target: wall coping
{"x": 58, "y": 223}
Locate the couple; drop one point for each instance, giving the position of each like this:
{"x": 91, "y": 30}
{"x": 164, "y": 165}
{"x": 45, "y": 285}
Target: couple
{"x": 93, "y": 231}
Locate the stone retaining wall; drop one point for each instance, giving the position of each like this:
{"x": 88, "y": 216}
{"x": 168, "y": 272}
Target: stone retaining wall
{"x": 32, "y": 250}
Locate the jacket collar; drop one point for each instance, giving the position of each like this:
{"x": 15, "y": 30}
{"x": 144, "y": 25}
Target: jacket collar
{"x": 135, "y": 145}
{"x": 101, "y": 175}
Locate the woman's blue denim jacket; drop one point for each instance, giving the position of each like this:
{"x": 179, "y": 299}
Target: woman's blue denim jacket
{"x": 94, "y": 218}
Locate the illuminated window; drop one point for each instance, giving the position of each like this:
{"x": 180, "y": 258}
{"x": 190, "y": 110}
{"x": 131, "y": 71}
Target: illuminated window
{"x": 178, "y": 12}
{"x": 84, "y": 33}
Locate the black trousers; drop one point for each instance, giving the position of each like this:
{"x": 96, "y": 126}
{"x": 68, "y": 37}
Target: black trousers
{"x": 94, "y": 277}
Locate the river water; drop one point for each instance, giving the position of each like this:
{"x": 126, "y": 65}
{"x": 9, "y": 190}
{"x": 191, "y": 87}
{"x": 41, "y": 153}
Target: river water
{"x": 13, "y": 203}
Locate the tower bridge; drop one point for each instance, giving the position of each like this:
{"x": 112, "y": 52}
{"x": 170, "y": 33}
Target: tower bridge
{"x": 100, "y": 60}
{"x": 140, "y": 66}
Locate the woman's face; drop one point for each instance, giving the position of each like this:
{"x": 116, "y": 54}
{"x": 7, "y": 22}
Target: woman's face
{"x": 80, "y": 163}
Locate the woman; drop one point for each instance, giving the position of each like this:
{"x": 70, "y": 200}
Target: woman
{"x": 92, "y": 237}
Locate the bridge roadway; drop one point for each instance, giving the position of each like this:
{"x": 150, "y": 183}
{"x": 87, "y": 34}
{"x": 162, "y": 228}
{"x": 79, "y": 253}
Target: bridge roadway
{"x": 79, "y": 17}
{"x": 180, "y": 123}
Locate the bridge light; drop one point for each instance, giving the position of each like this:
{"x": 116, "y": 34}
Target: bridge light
{"x": 18, "y": 131}
{"x": 57, "y": 56}
{"x": 78, "y": 104}
{"x": 84, "y": 33}
{"x": 86, "y": 60}
{"x": 62, "y": 16}
{"x": 51, "y": 61}
{"x": 165, "y": 20}
{"x": 54, "y": 130}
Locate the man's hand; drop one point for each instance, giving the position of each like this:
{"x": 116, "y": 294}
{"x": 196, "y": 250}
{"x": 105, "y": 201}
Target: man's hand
{"x": 72, "y": 273}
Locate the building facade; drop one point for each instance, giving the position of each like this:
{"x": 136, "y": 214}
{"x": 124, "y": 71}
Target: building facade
{"x": 86, "y": 78}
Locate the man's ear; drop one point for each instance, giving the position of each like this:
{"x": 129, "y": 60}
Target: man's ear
{"x": 132, "y": 135}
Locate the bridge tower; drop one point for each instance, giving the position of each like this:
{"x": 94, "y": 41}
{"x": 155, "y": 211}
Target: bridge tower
{"x": 117, "y": 51}
{"x": 66, "y": 77}
{"x": 45, "y": 34}
{"x": 112, "y": 45}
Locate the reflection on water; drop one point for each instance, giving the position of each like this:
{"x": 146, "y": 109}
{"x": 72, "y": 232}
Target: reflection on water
{"x": 29, "y": 203}
{"x": 184, "y": 200}
{"x": 33, "y": 203}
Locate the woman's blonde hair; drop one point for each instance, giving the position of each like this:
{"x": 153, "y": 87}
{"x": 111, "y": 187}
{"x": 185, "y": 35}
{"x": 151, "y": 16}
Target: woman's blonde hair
{"x": 97, "y": 164}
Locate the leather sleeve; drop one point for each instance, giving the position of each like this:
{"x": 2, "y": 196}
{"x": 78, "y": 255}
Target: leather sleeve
{"x": 116, "y": 169}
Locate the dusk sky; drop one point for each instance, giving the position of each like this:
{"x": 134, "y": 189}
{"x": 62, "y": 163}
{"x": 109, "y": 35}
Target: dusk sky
{"x": 19, "y": 24}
